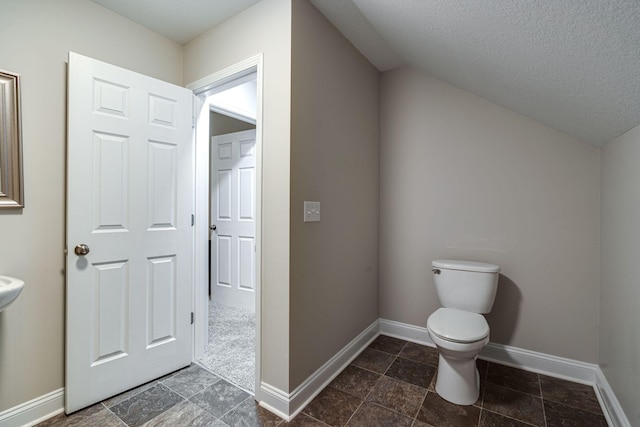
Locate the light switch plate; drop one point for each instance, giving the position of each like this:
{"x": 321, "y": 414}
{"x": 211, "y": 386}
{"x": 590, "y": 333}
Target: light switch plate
{"x": 311, "y": 211}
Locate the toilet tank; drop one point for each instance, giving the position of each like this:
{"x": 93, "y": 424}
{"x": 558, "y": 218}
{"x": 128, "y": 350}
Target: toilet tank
{"x": 466, "y": 285}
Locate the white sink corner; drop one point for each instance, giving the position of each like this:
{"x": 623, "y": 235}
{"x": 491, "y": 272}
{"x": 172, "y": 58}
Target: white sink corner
{"x": 10, "y": 288}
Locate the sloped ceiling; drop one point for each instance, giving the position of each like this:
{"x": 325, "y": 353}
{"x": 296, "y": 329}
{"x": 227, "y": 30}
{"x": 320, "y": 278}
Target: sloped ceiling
{"x": 573, "y": 65}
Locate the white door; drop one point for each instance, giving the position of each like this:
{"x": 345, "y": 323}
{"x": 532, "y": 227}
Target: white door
{"x": 130, "y": 201}
{"x": 233, "y": 211}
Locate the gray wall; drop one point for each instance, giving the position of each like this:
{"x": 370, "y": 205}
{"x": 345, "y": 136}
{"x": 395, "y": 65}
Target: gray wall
{"x": 37, "y": 35}
{"x": 619, "y": 288}
{"x": 219, "y": 124}
{"x": 334, "y": 160}
{"x": 464, "y": 178}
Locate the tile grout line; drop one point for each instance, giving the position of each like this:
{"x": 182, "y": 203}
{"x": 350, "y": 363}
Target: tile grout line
{"x": 559, "y": 402}
{"x": 377, "y": 381}
{"x": 544, "y": 412}
{"x": 397, "y": 356}
{"x": 157, "y": 383}
{"x": 237, "y": 406}
{"x": 511, "y": 418}
{"x": 575, "y": 408}
{"x": 413, "y": 418}
{"x": 119, "y": 419}
{"x": 483, "y": 386}
{"x": 511, "y": 389}
{"x": 151, "y": 384}
{"x": 313, "y": 418}
{"x": 364, "y": 399}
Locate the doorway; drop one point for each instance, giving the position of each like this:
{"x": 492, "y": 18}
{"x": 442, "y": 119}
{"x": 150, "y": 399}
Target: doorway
{"x": 230, "y": 351}
{"x": 228, "y": 128}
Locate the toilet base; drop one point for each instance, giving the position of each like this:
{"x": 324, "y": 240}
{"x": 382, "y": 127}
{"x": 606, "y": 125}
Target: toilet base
{"x": 458, "y": 380}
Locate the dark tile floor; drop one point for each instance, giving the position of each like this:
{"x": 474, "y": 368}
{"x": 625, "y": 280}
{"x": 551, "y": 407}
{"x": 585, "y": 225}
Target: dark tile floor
{"x": 391, "y": 383}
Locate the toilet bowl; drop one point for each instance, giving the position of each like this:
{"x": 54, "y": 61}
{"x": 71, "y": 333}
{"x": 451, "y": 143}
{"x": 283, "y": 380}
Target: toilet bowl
{"x": 458, "y": 379}
{"x": 458, "y": 330}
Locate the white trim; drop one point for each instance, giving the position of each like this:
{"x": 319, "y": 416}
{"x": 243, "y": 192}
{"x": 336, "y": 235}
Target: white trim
{"x": 34, "y": 411}
{"x": 527, "y": 360}
{"x": 289, "y": 405}
{"x": 554, "y": 366}
{"x": 259, "y": 65}
{"x": 541, "y": 363}
{"x": 316, "y": 382}
{"x": 252, "y": 65}
{"x": 250, "y": 77}
{"x": 200, "y": 240}
{"x": 228, "y": 74}
{"x": 406, "y": 332}
{"x": 274, "y": 400}
{"x": 613, "y": 411}
{"x": 229, "y": 110}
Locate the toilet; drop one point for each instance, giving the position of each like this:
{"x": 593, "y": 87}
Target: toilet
{"x": 466, "y": 290}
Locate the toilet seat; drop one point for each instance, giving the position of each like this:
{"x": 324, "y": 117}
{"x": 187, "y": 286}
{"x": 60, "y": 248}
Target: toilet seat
{"x": 457, "y": 325}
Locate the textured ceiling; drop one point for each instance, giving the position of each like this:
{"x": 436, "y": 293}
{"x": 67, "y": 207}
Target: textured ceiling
{"x": 178, "y": 20}
{"x": 573, "y": 65}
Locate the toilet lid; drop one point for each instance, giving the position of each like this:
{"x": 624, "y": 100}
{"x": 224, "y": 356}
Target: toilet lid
{"x": 458, "y": 326}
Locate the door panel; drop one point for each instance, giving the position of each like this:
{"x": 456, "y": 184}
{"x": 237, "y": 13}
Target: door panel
{"x": 233, "y": 213}
{"x": 110, "y": 315}
{"x": 130, "y": 200}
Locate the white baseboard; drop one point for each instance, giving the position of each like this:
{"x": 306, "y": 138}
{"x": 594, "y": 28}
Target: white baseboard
{"x": 305, "y": 392}
{"x": 554, "y": 366}
{"x": 405, "y": 332}
{"x": 289, "y": 405}
{"x": 34, "y": 411}
{"x": 608, "y": 400}
{"x": 274, "y": 400}
{"x": 505, "y": 355}
{"x": 541, "y": 363}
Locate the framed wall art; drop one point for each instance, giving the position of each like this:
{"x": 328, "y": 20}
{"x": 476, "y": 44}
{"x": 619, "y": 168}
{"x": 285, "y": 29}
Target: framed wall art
{"x": 11, "y": 186}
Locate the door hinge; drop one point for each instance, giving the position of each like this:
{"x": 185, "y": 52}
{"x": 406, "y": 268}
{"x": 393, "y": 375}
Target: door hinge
{"x": 192, "y": 317}
{"x": 193, "y": 220}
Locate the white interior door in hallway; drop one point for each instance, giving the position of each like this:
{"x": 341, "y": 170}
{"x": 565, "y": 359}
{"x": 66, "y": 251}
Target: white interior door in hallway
{"x": 130, "y": 200}
{"x": 233, "y": 212}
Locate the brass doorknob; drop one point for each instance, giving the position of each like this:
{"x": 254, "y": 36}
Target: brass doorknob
{"x": 81, "y": 249}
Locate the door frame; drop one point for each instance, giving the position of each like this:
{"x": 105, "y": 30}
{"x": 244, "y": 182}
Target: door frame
{"x": 201, "y": 241}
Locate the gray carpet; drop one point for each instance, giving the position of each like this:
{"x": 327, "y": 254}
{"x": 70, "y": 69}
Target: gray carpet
{"x": 230, "y": 352}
